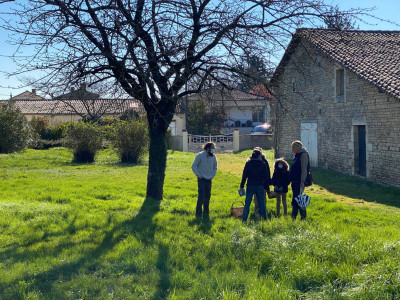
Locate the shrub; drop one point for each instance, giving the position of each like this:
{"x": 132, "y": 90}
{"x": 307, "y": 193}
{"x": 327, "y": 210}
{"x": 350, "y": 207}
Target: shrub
{"x": 14, "y": 128}
{"x": 39, "y": 124}
{"x": 45, "y": 136}
{"x": 129, "y": 114}
{"x": 130, "y": 139}
{"x": 104, "y": 121}
{"x": 84, "y": 139}
{"x": 53, "y": 133}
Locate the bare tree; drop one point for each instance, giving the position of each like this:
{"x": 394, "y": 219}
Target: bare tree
{"x": 153, "y": 50}
{"x": 338, "y": 21}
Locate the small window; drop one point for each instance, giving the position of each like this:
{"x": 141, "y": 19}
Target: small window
{"x": 339, "y": 82}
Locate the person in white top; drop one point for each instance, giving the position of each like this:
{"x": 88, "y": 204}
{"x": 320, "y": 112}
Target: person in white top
{"x": 204, "y": 167}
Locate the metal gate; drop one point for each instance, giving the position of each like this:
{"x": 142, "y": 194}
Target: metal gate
{"x": 223, "y": 142}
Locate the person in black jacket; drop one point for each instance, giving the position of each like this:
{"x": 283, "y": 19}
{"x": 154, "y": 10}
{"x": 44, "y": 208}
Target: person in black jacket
{"x": 298, "y": 173}
{"x": 256, "y": 209}
{"x": 255, "y": 173}
{"x": 281, "y": 181}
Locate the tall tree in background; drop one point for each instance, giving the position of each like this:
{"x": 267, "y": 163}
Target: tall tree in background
{"x": 252, "y": 72}
{"x": 152, "y": 50}
{"x": 338, "y": 21}
{"x": 205, "y": 121}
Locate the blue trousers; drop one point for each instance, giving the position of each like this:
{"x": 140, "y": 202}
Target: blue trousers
{"x": 250, "y": 191}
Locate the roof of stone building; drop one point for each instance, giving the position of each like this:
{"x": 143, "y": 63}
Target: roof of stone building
{"x": 372, "y": 55}
{"x": 61, "y": 107}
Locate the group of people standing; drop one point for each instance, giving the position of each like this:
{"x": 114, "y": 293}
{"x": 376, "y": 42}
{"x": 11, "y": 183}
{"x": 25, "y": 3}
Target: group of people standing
{"x": 256, "y": 173}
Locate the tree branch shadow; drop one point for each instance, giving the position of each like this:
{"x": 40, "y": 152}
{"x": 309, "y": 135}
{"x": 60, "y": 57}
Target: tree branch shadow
{"x": 203, "y": 224}
{"x": 141, "y": 226}
{"x": 162, "y": 266}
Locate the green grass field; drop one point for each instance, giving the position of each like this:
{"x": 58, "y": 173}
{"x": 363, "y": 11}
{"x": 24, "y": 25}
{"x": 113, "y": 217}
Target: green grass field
{"x": 86, "y": 231}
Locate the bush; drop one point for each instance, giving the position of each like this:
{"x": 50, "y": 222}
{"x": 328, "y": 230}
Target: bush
{"x": 130, "y": 139}
{"x": 45, "y": 136}
{"x": 39, "y": 125}
{"x": 53, "y": 133}
{"x": 84, "y": 139}
{"x": 105, "y": 121}
{"x": 14, "y": 129}
{"x": 129, "y": 114}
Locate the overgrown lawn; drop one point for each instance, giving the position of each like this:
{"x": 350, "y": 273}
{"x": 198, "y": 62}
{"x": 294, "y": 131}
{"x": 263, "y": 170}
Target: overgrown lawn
{"x": 86, "y": 231}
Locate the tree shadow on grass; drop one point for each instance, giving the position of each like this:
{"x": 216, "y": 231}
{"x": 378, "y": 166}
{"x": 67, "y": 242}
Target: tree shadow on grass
{"x": 141, "y": 226}
{"x": 355, "y": 187}
{"x": 162, "y": 265}
{"x": 13, "y": 251}
{"x": 203, "y": 224}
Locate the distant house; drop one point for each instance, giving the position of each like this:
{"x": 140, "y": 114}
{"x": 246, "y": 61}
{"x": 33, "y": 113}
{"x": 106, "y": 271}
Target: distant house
{"x": 27, "y": 95}
{"x": 81, "y": 93}
{"x": 71, "y": 110}
{"x": 339, "y": 92}
{"x": 68, "y": 108}
{"x": 243, "y": 110}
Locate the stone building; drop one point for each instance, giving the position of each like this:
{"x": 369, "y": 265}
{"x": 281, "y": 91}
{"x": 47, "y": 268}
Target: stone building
{"x": 339, "y": 92}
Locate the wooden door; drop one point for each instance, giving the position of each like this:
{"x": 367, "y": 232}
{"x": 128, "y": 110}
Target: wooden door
{"x": 309, "y": 139}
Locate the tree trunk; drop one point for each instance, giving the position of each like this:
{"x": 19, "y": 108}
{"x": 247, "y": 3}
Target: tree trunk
{"x": 157, "y": 163}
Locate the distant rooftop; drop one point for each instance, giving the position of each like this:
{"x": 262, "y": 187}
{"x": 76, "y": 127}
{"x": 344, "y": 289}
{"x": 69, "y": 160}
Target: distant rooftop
{"x": 81, "y": 93}
{"x": 27, "y": 95}
{"x": 224, "y": 94}
{"x": 61, "y": 107}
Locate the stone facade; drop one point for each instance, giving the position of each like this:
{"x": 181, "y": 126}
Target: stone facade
{"x": 306, "y": 91}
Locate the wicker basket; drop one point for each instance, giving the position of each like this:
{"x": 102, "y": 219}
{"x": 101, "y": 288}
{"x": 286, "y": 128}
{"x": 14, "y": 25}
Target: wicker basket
{"x": 237, "y": 211}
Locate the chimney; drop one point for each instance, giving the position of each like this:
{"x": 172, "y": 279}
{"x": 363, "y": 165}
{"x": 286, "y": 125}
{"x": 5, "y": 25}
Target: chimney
{"x": 33, "y": 91}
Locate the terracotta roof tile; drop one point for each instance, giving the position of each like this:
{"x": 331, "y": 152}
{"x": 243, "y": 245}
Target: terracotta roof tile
{"x": 56, "y": 107}
{"x": 372, "y": 55}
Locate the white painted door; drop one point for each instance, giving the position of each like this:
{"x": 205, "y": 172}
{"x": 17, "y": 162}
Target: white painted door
{"x": 309, "y": 141}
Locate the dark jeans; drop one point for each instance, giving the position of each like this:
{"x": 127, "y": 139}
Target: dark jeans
{"x": 203, "y": 200}
{"x": 250, "y": 191}
{"x": 295, "y": 206}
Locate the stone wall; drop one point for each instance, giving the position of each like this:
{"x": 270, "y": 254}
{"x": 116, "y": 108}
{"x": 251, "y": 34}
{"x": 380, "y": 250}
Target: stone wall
{"x": 306, "y": 93}
{"x": 249, "y": 141}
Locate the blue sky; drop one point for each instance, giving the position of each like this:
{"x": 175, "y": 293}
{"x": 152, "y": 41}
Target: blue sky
{"x": 384, "y": 9}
